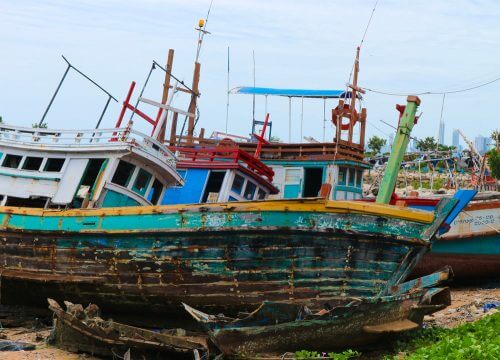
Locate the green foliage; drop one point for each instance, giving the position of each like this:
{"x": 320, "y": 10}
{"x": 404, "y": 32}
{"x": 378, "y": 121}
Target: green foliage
{"x": 494, "y": 163}
{"x": 345, "y": 355}
{"x": 274, "y": 139}
{"x": 495, "y": 136}
{"x": 375, "y": 144}
{"x": 1, "y": 120}
{"x": 472, "y": 341}
{"x": 38, "y": 126}
{"x": 427, "y": 144}
{"x": 446, "y": 148}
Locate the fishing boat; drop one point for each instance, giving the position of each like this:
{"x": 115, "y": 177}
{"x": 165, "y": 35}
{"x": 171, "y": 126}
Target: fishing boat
{"x": 216, "y": 256}
{"x": 336, "y": 324}
{"x": 472, "y": 245}
{"x": 333, "y": 169}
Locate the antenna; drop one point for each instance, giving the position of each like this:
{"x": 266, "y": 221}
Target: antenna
{"x": 202, "y": 29}
{"x": 70, "y": 66}
{"x": 253, "y": 102}
{"x": 227, "y": 103}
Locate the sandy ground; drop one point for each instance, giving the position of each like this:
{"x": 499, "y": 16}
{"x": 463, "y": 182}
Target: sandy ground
{"x": 467, "y": 305}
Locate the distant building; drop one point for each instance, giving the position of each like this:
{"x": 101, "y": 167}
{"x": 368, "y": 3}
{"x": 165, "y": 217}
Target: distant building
{"x": 455, "y": 138}
{"x": 441, "y": 133}
{"x": 413, "y": 145}
{"x": 481, "y": 144}
{"x": 388, "y": 145}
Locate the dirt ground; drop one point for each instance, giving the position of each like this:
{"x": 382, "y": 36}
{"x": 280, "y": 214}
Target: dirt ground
{"x": 467, "y": 305}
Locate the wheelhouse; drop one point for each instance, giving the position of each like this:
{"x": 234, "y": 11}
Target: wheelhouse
{"x": 48, "y": 168}
{"x": 220, "y": 174}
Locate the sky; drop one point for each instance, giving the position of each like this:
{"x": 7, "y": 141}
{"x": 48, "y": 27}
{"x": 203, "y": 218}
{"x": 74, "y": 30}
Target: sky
{"x": 410, "y": 47}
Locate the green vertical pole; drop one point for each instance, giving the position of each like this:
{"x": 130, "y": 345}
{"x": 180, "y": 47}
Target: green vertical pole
{"x": 398, "y": 151}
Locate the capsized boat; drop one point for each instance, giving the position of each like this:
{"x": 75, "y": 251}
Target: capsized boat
{"x": 217, "y": 257}
{"x": 324, "y": 325}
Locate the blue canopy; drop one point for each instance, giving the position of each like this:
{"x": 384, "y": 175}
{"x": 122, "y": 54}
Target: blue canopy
{"x": 299, "y": 93}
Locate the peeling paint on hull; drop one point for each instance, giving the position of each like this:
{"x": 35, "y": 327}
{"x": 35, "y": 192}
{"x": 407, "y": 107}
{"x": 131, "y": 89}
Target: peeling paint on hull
{"x": 217, "y": 261}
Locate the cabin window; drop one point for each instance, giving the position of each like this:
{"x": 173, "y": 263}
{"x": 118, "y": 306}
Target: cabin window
{"x": 123, "y": 173}
{"x": 342, "y": 176}
{"x": 359, "y": 178}
{"x": 249, "y": 190}
{"x": 238, "y": 184}
{"x": 352, "y": 175}
{"x": 32, "y": 163}
{"x": 313, "y": 179}
{"x": 232, "y": 199}
{"x": 214, "y": 184}
{"x": 141, "y": 182}
{"x": 53, "y": 165}
{"x": 154, "y": 194}
{"x": 33, "y": 202}
{"x": 12, "y": 161}
{"x": 261, "y": 194}
{"x": 92, "y": 172}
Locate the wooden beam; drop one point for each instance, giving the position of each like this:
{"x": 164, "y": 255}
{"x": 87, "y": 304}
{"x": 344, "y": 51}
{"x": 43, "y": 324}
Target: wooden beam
{"x": 161, "y": 122}
{"x": 165, "y": 107}
{"x": 363, "y": 128}
{"x": 173, "y": 130}
{"x": 194, "y": 98}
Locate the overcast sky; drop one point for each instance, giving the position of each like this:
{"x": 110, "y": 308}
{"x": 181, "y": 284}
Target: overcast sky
{"x": 411, "y": 46}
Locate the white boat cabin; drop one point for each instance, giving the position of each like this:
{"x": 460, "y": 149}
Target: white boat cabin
{"x": 48, "y": 168}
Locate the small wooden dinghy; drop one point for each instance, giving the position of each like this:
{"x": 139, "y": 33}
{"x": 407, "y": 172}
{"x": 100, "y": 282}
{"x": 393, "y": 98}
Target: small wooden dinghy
{"x": 83, "y": 330}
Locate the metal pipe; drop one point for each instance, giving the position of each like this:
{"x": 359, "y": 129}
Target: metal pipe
{"x": 142, "y": 90}
{"x": 89, "y": 79}
{"x": 103, "y": 112}
{"x": 55, "y": 93}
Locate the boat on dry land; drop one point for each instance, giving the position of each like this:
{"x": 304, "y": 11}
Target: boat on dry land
{"x": 91, "y": 228}
{"x": 472, "y": 245}
{"x": 83, "y": 330}
{"x": 324, "y": 325}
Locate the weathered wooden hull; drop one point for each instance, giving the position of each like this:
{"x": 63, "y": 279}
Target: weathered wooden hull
{"x": 277, "y": 328}
{"x": 343, "y": 332}
{"x": 219, "y": 258}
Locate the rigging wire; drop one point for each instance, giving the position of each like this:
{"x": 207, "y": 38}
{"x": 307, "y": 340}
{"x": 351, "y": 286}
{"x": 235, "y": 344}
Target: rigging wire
{"x": 432, "y": 92}
{"x": 364, "y": 35}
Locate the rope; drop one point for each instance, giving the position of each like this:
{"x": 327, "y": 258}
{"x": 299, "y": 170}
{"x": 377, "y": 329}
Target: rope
{"x": 432, "y": 92}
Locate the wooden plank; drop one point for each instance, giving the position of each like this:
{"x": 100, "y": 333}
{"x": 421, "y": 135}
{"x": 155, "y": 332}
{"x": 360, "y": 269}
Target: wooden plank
{"x": 165, "y": 107}
{"x": 194, "y": 98}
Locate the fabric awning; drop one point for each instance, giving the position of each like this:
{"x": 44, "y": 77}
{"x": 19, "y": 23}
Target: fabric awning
{"x": 298, "y": 93}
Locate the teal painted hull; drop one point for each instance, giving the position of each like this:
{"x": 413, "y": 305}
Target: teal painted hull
{"x": 472, "y": 259}
{"x": 217, "y": 260}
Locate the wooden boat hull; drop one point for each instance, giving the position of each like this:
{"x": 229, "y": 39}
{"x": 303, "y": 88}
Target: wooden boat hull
{"x": 227, "y": 257}
{"x": 352, "y": 323}
{"x": 471, "y": 247}
{"x": 82, "y": 330}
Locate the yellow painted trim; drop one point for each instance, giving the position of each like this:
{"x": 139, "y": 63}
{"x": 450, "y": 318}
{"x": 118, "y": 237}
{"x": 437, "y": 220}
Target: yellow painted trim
{"x": 297, "y": 205}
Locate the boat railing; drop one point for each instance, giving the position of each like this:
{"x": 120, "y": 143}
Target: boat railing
{"x": 210, "y": 156}
{"x": 85, "y": 138}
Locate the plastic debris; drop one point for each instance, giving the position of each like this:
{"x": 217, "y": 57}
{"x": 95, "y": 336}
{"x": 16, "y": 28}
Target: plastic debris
{"x": 492, "y": 305}
{"x": 7, "y": 345}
